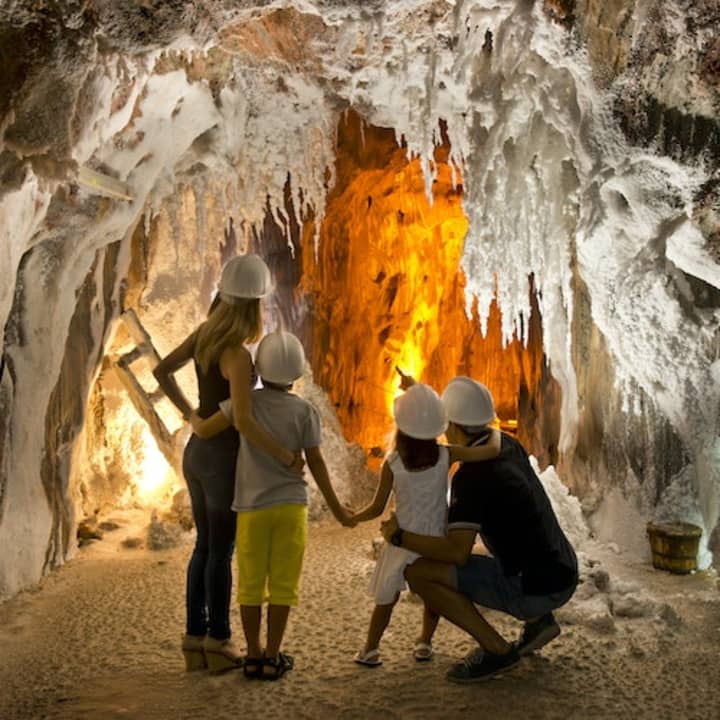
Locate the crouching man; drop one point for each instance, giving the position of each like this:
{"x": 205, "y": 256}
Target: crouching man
{"x": 533, "y": 567}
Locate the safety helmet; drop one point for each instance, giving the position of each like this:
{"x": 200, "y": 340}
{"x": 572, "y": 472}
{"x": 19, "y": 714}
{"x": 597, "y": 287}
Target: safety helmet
{"x": 243, "y": 277}
{"x": 280, "y": 358}
{"x": 419, "y": 413}
{"x": 468, "y": 402}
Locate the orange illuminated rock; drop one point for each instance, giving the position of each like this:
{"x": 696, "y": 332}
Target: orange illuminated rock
{"x": 387, "y": 290}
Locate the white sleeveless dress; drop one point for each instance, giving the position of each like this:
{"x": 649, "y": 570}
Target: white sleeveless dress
{"x": 421, "y": 507}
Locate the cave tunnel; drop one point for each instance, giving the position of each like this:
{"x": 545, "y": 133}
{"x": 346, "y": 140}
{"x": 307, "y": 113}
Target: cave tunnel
{"x": 385, "y": 290}
{"x": 526, "y": 193}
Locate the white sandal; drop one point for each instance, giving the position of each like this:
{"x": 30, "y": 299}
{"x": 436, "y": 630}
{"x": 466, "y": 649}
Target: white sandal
{"x": 371, "y": 658}
{"x": 423, "y": 651}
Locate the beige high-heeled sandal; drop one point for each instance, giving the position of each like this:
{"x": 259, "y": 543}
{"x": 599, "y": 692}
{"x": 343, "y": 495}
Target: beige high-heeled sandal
{"x": 221, "y": 655}
{"x": 194, "y": 652}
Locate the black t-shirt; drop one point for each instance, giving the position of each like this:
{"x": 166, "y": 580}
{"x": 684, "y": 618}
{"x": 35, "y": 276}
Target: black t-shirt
{"x": 504, "y": 501}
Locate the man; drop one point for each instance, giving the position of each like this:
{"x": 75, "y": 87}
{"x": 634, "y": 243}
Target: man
{"x": 533, "y": 568}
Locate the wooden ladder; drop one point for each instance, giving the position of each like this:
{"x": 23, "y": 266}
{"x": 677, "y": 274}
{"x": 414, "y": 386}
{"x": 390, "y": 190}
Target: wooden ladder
{"x": 144, "y": 401}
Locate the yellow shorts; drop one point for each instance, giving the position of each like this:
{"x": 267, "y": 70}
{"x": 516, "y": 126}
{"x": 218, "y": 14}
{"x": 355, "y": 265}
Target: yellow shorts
{"x": 269, "y": 550}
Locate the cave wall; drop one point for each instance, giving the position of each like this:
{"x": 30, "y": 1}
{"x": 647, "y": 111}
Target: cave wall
{"x": 596, "y": 170}
{"x": 640, "y": 451}
{"x": 39, "y": 540}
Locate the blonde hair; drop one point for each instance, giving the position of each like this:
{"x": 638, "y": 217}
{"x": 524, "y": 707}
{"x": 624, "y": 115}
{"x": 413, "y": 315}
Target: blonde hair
{"x": 228, "y": 325}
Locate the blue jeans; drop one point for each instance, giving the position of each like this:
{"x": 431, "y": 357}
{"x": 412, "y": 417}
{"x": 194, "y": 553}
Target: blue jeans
{"x": 209, "y": 469}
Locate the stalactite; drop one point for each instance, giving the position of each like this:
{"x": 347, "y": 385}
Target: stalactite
{"x": 387, "y": 290}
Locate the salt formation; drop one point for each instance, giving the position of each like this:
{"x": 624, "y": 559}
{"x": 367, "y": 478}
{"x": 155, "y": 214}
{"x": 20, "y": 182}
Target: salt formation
{"x": 587, "y": 161}
{"x": 345, "y": 463}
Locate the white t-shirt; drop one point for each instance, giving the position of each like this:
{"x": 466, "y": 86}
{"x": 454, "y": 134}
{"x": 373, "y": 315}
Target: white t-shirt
{"x": 260, "y": 479}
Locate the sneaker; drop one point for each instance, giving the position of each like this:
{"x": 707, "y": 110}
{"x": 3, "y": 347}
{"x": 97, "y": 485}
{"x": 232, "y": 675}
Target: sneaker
{"x": 477, "y": 667}
{"x": 537, "y": 634}
{"x": 475, "y": 655}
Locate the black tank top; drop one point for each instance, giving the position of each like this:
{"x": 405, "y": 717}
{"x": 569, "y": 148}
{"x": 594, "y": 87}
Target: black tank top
{"x": 213, "y": 388}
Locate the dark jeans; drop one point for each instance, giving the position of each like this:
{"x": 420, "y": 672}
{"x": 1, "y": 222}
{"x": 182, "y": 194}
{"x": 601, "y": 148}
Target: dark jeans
{"x": 483, "y": 580}
{"x": 209, "y": 469}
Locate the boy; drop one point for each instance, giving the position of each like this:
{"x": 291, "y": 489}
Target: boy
{"x": 271, "y": 501}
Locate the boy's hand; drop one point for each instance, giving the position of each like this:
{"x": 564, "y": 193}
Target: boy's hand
{"x": 406, "y": 381}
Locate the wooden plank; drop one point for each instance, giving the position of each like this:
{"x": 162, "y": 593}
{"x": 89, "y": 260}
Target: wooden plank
{"x": 140, "y": 399}
{"x": 128, "y": 358}
{"x": 141, "y": 336}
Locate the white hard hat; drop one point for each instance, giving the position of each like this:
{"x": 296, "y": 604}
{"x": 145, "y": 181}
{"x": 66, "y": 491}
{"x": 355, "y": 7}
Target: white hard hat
{"x": 245, "y": 276}
{"x": 280, "y": 358}
{"x": 468, "y": 402}
{"x": 419, "y": 413}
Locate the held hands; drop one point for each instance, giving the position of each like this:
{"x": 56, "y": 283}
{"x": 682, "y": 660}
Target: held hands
{"x": 388, "y": 527}
{"x": 345, "y": 517}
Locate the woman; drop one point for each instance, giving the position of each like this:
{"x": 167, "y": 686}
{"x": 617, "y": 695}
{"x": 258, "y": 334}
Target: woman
{"x": 224, "y": 368}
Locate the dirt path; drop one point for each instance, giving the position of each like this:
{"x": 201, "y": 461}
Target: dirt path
{"x": 100, "y": 640}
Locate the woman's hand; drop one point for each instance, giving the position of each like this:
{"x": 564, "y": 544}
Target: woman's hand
{"x": 298, "y": 463}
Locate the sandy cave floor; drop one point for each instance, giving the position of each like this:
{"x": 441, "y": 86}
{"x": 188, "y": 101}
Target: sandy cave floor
{"x": 100, "y": 639}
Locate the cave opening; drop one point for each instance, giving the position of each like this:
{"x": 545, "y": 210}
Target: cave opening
{"x": 376, "y": 285}
{"x": 130, "y": 447}
{"x": 383, "y": 288}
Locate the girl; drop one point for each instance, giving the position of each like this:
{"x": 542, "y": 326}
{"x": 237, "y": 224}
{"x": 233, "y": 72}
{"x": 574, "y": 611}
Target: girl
{"x": 417, "y": 471}
{"x": 224, "y": 368}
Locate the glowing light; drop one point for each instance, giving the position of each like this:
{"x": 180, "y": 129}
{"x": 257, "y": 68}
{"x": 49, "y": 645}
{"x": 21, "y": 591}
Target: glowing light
{"x": 508, "y": 426}
{"x": 421, "y": 298}
{"x": 410, "y": 361}
{"x": 155, "y": 476}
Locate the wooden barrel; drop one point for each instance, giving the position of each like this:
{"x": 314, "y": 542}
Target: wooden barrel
{"x": 674, "y": 546}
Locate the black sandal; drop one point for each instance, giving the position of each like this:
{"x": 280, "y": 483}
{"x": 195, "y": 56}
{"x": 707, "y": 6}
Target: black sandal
{"x": 252, "y": 667}
{"x": 280, "y": 665}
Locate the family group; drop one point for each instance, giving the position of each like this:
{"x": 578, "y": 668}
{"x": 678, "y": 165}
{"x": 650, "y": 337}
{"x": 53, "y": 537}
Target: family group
{"x": 244, "y": 468}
